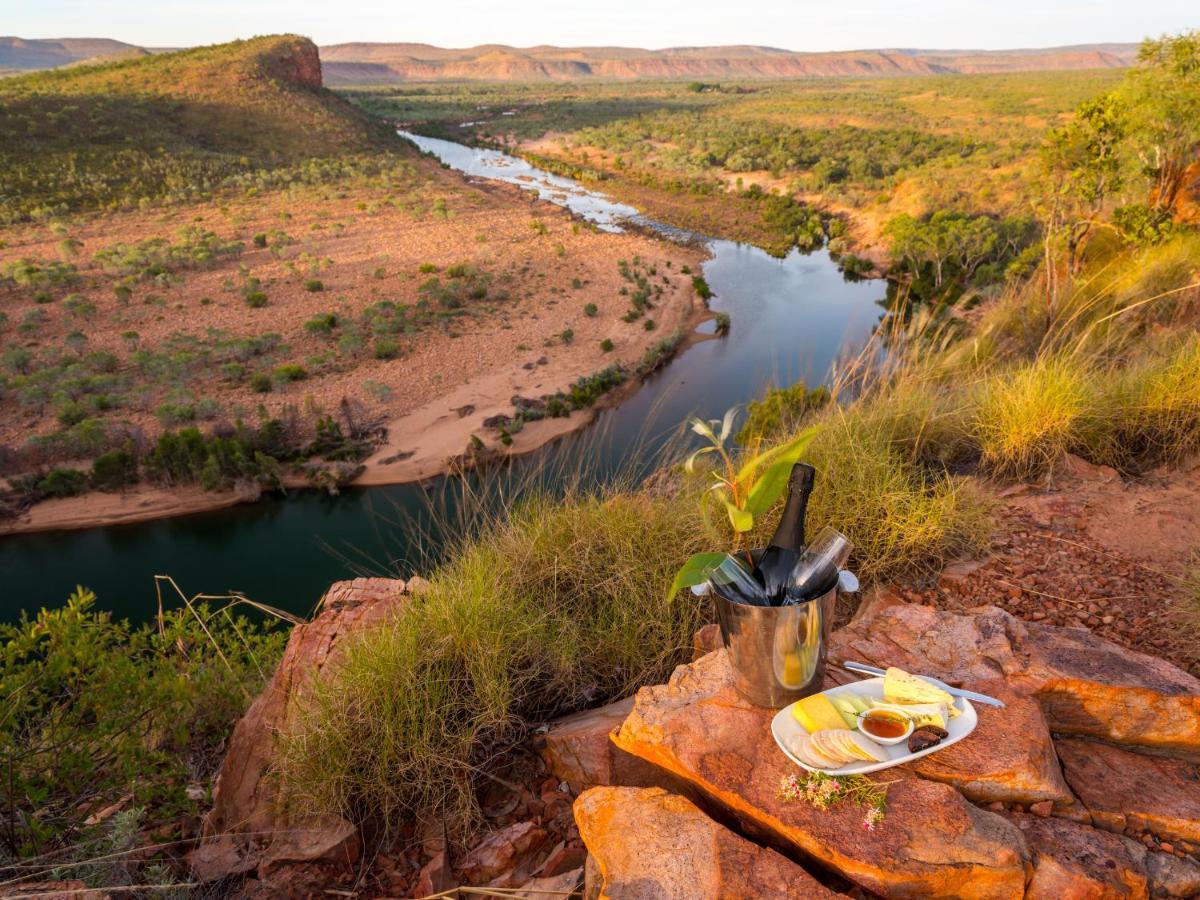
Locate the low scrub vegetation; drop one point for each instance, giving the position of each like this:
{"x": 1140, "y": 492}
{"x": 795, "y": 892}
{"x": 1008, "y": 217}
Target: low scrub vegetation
{"x": 97, "y": 710}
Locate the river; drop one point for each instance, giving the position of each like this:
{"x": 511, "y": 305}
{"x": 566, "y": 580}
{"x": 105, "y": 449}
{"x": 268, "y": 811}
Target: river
{"x": 792, "y": 318}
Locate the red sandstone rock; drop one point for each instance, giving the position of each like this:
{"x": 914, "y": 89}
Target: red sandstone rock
{"x": 434, "y": 878}
{"x": 555, "y": 887}
{"x": 706, "y": 640}
{"x": 1085, "y": 685}
{"x": 1126, "y": 790}
{"x": 1009, "y": 757}
{"x": 246, "y": 827}
{"x": 579, "y": 751}
{"x": 933, "y": 843}
{"x": 501, "y": 853}
{"x": 1075, "y": 861}
{"x": 648, "y": 844}
{"x": 562, "y": 859}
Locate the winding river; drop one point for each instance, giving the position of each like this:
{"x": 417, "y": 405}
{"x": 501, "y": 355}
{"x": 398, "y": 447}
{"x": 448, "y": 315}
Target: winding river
{"x": 792, "y": 317}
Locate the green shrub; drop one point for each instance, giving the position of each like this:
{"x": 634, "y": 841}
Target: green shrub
{"x": 260, "y": 239}
{"x": 96, "y": 709}
{"x": 567, "y": 335}
{"x": 260, "y": 383}
{"x": 386, "y": 349}
{"x": 606, "y": 345}
{"x": 290, "y": 372}
{"x": 591, "y": 310}
{"x": 63, "y": 483}
{"x": 322, "y": 323}
{"x": 314, "y": 285}
{"x": 176, "y": 413}
{"x": 780, "y": 411}
{"x": 114, "y": 470}
{"x": 555, "y": 608}
{"x": 256, "y": 299}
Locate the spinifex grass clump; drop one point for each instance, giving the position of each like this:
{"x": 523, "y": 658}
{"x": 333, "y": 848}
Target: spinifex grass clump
{"x": 553, "y": 608}
{"x": 1025, "y": 418}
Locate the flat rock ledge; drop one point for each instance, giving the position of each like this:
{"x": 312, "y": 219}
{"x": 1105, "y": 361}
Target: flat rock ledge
{"x": 679, "y": 852}
{"x": 995, "y": 816}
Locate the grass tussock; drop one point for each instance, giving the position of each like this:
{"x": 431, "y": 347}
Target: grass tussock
{"x": 555, "y": 607}
{"x": 904, "y": 518}
{"x": 1025, "y": 418}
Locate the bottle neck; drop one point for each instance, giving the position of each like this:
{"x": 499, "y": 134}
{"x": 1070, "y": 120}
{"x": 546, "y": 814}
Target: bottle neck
{"x": 789, "y": 534}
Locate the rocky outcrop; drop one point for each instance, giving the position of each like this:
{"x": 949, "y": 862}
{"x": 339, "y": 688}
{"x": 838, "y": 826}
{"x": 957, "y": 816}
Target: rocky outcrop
{"x": 1084, "y": 684}
{"x": 936, "y": 843}
{"x": 577, "y": 749}
{"x": 296, "y": 60}
{"x": 248, "y": 827}
{"x": 1111, "y": 821}
{"x": 648, "y": 844}
{"x": 1010, "y": 757}
{"x": 1127, "y": 791}
{"x": 1073, "y": 860}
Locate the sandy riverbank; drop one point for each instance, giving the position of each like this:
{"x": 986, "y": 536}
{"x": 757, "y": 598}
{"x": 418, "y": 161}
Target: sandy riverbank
{"x": 536, "y": 337}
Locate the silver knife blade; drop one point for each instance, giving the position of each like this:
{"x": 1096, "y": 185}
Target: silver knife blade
{"x": 864, "y": 669}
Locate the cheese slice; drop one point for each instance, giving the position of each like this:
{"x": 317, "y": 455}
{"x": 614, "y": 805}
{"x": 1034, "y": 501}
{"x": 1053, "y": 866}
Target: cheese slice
{"x": 904, "y": 689}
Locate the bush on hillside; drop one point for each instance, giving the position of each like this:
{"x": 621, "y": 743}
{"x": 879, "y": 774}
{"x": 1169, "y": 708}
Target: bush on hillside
{"x": 96, "y": 709}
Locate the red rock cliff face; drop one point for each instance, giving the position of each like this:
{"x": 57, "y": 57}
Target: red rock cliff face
{"x": 297, "y": 62}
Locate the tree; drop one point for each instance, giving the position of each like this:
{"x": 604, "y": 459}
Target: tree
{"x": 1083, "y": 162}
{"x": 1163, "y": 97}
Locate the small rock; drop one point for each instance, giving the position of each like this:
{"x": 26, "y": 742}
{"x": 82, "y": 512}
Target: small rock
{"x": 706, "y": 640}
{"x": 562, "y": 859}
{"x": 434, "y": 877}
{"x": 1043, "y": 809}
{"x": 501, "y": 852}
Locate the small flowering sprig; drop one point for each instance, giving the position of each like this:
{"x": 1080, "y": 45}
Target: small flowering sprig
{"x": 823, "y": 791}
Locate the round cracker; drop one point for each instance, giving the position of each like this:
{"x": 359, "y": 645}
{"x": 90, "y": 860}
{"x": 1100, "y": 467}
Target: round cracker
{"x": 827, "y": 744}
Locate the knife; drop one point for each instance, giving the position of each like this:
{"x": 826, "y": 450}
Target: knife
{"x": 864, "y": 669}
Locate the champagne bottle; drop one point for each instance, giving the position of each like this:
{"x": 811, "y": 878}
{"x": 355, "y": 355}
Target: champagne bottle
{"x": 787, "y": 542}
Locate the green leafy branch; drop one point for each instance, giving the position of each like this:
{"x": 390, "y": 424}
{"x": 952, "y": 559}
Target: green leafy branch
{"x": 745, "y": 492}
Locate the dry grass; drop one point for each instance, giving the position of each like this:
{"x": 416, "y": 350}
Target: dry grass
{"x": 554, "y": 607}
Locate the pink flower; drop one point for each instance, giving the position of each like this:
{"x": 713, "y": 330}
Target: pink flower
{"x": 872, "y": 818}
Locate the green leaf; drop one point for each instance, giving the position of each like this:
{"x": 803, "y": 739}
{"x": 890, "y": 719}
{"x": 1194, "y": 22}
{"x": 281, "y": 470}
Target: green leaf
{"x": 694, "y": 571}
{"x": 789, "y": 452}
{"x": 690, "y": 464}
{"x": 741, "y": 520}
{"x": 768, "y": 488}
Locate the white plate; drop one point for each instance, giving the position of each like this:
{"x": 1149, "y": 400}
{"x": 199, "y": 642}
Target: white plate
{"x": 785, "y": 728}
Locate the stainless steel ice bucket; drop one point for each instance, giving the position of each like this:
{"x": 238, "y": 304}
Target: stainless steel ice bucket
{"x": 777, "y": 652}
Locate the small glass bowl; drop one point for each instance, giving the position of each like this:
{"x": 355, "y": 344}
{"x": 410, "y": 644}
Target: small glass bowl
{"x": 883, "y": 712}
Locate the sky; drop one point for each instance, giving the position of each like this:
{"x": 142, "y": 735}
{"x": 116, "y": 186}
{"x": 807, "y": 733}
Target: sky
{"x": 790, "y": 24}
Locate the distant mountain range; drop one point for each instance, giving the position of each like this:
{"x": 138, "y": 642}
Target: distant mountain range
{"x": 361, "y": 63}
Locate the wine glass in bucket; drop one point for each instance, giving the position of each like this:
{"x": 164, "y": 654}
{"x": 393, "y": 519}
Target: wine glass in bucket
{"x": 816, "y": 571}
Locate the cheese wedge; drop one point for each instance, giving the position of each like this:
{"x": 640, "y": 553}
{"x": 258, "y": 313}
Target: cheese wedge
{"x": 920, "y": 713}
{"x": 904, "y": 689}
{"x": 868, "y": 748}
